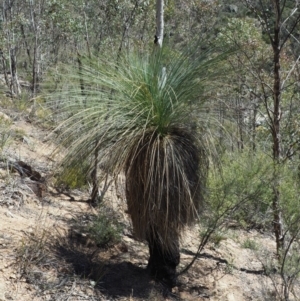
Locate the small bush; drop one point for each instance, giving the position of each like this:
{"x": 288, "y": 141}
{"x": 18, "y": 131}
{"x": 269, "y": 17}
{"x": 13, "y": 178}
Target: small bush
{"x": 105, "y": 230}
{"x": 217, "y": 237}
{"x": 73, "y": 176}
{"x": 32, "y": 255}
{"x": 250, "y": 244}
{"x": 6, "y": 132}
{"x": 242, "y": 189}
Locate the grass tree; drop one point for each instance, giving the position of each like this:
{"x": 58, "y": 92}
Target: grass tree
{"x": 150, "y": 127}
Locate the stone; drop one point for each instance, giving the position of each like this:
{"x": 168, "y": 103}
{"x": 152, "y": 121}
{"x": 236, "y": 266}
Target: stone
{"x": 232, "y": 8}
{"x": 2, "y": 291}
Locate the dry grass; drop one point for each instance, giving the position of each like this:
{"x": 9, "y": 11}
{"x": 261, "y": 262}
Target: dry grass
{"x": 68, "y": 265}
{"x": 162, "y": 175}
{"x": 59, "y": 265}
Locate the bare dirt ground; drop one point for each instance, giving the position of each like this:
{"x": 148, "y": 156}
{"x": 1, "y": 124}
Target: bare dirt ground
{"x": 45, "y": 256}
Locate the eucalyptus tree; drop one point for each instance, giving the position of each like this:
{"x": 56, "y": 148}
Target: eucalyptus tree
{"x": 240, "y": 102}
{"x": 9, "y": 45}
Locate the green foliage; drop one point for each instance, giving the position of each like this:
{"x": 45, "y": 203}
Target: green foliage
{"x": 242, "y": 186}
{"x": 169, "y": 10}
{"x": 105, "y": 230}
{"x": 19, "y": 104}
{"x": 229, "y": 269}
{"x": 290, "y": 262}
{"x": 73, "y": 176}
{"x": 64, "y": 18}
{"x": 290, "y": 196}
{"x": 250, "y": 244}
{"x": 243, "y": 31}
{"x": 145, "y": 116}
{"x": 6, "y": 132}
{"x": 217, "y": 237}
{"x": 34, "y": 251}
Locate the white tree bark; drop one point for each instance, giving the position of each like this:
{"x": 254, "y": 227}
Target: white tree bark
{"x": 159, "y": 23}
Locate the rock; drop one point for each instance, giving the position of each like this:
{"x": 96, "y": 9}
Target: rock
{"x": 8, "y": 296}
{"x": 9, "y": 214}
{"x": 233, "y": 297}
{"x": 122, "y": 247}
{"x": 2, "y": 291}
{"x": 186, "y": 296}
{"x": 5, "y": 117}
{"x": 26, "y": 140}
{"x": 232, "y": 8}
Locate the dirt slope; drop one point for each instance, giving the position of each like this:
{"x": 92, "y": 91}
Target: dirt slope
{"x": 43, "y": 255}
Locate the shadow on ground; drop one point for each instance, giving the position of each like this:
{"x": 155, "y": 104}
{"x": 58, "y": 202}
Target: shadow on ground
{"x": 64, "y": 261}
{"x": 126, "y": 279}
{"x": 114, "y": 278}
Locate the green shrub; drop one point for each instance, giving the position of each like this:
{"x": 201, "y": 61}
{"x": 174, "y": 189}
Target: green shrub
{"x": 105, "y": 230}
{"x": 8, "y": 133}
{"x": 290, "y": 196}
{"x": 73, "y": 176}
{"x": 250, "y": 244}
{"x": 241, "y": 187}
{"x": 216, "y": 237}
{"x": 5, "y": 133}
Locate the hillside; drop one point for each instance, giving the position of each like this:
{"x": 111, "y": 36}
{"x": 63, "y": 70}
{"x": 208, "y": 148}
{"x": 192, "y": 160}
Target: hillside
{"x": 47, "y": 255}
{"x": 193, "y": 106}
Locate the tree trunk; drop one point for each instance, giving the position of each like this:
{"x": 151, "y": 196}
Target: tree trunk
{"x": 162, "y": 263}
{"x": 255, "y": 109}
{"x": 34, "y": 83}
{"x": 273, "y": 27}
{"x": 159, "y": 23}
{"x": 277, "y": 221}
{"x": 4, "y": 68}
{"x": 126, "y": 26}
{"x": 14, "y": 82}
{"x": 94, "y": 175}
{"x": 26, "y": 44}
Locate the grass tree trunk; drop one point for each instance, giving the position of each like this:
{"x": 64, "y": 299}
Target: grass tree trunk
{"x": 162, "y": 261}
{"x": 163, "y": 191}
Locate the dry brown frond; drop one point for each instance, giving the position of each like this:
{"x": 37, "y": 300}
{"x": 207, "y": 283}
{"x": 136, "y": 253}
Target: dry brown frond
{"x": 164, "y": 184}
